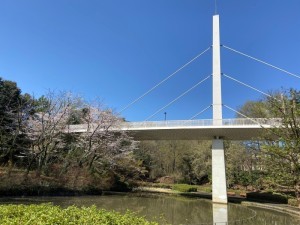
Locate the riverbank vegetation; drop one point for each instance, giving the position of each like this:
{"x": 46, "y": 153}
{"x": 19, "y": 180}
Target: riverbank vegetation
{"x": 49, "y": 214}
{"x": 39, "y": 154}
{"x": 38, "y": 151}
{"x": 270, "y": 164}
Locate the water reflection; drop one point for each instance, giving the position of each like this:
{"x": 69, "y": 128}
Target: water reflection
{"x": 220, "y": 214}
{"x": 171, "y": 210}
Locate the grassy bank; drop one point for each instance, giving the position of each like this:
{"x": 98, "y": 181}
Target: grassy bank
{"x": 49, "y": 214}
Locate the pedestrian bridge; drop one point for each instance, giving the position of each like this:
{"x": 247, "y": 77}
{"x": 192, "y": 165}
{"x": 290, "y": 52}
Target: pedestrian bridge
{"x": 207, "y": 129}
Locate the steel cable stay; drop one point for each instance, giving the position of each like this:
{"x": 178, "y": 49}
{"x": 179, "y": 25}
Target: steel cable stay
{"x": 261, "y": 61}
{"x": 249, "y": 86}
{"x": 180, "y": 96}
{"x": 199, "y": 113}
{"x": 164, "y": 80}
{"x": 253, "y": 120}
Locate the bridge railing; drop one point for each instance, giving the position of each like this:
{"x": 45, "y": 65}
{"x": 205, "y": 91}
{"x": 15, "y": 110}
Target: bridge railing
{"x": 206, "y": 122}
{"x": 188, "y": 123}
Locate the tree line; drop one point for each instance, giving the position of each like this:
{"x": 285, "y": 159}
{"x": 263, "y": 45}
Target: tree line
{"x": 277, "y": 153}
{"x": 34, "y": 139}
{"x": 271, "y": 162}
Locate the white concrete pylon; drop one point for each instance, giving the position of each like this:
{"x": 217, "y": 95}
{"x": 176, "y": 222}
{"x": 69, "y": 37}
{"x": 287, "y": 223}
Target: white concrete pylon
{"x": 216, "y": 81}
{"x": 219, "y": 189}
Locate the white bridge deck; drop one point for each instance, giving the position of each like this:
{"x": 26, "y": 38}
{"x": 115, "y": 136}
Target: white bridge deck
{"x": 230, "y": 129}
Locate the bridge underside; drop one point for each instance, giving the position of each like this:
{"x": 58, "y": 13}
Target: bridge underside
{"x": 193, "y": 133}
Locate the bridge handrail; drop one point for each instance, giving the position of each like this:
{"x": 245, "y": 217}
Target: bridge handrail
{"x": 206, "y": 122}
{"x": 272, "y": 122}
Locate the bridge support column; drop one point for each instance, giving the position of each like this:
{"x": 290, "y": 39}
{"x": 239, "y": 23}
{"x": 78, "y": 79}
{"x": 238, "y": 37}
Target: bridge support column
{"x": 220, "y": 214}
{"x": 219, "y": 189}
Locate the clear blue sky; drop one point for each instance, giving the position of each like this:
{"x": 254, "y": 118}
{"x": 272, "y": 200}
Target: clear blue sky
{"x": 118, "y": 49}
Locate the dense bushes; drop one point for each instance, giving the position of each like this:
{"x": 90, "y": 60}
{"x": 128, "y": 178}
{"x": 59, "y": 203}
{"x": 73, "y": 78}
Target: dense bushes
{"x": 184, "y": 188}
{"x": 293, "y": 202}
{"x": 268, "y": 197}
{"x": 49, "y": 214}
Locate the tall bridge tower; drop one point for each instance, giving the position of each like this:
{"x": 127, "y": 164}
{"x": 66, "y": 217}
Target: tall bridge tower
{"x": 219, "y": 190}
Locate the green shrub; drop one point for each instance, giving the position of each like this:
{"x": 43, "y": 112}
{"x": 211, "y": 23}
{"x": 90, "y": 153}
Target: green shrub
{"x": 205, "y": 188}
{"x": 48, "y": 214}
{"x": 293, "y": 202}
{"x": 184, "y": 188}
{"x": 268, "y": 197}
{"x": 208, "y": 189}
{"x": 161, "y": 185}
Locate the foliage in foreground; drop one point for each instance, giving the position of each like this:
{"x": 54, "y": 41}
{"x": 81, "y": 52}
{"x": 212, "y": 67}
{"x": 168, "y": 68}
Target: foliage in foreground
{"x": 279, "y": 148}
{"x": 49, "y": 214}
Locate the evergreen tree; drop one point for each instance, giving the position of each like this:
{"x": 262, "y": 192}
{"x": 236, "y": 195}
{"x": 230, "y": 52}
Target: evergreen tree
{"x": 14, "y": 111}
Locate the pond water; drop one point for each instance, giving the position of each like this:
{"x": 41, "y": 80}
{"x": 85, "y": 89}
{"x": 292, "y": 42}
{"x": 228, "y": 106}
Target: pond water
{"x": 171, "y": 210}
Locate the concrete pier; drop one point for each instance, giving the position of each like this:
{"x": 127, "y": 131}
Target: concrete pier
{"x": 220, "y": 214}
{"x": 219, "y": 189}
